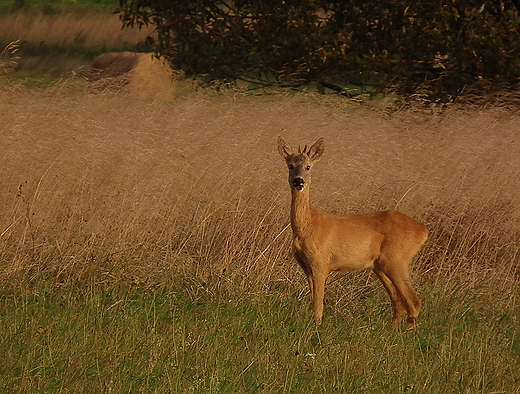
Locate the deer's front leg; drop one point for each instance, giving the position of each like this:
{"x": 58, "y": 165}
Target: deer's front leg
{"x": 318, "y": 287}
{"x": 308, "y": 273}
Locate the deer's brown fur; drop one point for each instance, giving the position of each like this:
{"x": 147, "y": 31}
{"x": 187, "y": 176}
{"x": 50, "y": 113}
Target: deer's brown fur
{"x": 385, "y": 242}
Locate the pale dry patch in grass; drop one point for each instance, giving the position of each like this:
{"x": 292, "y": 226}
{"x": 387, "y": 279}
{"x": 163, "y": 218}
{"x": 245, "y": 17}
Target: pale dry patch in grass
{"x": 110, "y": 187}
{"x": 142, "y": 75}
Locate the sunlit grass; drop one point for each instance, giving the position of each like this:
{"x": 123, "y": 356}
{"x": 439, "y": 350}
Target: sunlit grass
{"x": 130, "y": 338}
{"x": 145, "y": 246}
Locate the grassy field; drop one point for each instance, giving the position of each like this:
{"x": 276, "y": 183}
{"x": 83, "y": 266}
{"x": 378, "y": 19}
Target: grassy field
{"x": 145, "y": 247}
{"x": 63, "y": 37}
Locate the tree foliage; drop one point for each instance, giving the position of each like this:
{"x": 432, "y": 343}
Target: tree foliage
{"x": 441, "y": 46}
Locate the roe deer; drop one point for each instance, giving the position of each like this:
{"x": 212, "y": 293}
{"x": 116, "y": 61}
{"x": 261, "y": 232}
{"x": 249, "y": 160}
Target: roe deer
{"x": 385, "y": 242}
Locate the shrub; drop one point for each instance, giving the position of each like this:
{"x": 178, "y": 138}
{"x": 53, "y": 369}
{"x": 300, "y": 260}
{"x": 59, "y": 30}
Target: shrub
{"x": 440, "y": 46}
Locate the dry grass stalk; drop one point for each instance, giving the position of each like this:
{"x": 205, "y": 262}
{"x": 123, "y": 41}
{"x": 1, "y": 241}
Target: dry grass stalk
{"x": 9, "y": 58}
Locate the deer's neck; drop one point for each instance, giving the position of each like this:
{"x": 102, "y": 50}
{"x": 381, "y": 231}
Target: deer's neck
{"x": 301, "y": 217}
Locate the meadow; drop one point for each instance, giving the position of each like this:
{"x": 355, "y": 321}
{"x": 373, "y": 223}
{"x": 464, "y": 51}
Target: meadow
{"x": 60, "y": 38}
{"x": 145, "y": 247}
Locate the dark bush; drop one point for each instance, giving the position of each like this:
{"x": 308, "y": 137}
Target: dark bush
{"x": 439, "y": 47}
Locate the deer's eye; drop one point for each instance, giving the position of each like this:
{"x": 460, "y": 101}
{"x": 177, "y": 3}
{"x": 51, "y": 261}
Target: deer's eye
{"x": 308, "y": 168}
{"x": 291, "y": 166}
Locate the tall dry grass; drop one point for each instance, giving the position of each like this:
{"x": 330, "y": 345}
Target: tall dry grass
{"x": 189, "y": 200}
{"x": 103, "y": 187}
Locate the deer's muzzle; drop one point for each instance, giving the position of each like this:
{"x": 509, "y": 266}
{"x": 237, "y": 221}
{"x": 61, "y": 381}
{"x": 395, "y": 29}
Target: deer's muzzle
{"x": 298, "y": 183}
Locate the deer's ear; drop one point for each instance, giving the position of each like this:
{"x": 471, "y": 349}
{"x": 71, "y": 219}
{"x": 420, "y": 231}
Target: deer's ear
{"x": 316, "y": 150}
{"x": 284, "y": 148}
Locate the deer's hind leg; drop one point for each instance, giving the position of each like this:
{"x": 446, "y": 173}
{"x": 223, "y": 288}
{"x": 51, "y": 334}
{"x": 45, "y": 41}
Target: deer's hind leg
{"x": 411, "y": 300}
{"x": 397, "y": 273}
{"x": 397, "y": 303}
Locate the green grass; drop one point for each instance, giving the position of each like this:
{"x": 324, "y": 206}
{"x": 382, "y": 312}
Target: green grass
{"x": 56, "y": 6}
{"x": 128, "y": 338}
{"x": 34, "y": 81}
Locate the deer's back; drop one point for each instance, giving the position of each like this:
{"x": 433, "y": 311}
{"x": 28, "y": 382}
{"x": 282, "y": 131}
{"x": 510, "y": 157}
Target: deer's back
{"x": 355, "y": 242}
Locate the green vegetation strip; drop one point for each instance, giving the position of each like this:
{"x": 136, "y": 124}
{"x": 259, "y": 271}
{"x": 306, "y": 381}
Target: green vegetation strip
{"x": 55, "y": 6}
{"x": 185, "y": 339}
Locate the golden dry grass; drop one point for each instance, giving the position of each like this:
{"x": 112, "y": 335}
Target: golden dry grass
{"x": 144, "y": 245}
{"x": 106, "y": 187}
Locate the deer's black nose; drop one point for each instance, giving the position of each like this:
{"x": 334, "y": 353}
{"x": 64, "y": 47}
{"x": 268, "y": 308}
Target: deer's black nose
{"x": 297, "y": 182}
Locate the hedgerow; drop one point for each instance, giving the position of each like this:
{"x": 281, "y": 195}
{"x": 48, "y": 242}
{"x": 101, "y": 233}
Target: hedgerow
{"x": 441, "y": 47}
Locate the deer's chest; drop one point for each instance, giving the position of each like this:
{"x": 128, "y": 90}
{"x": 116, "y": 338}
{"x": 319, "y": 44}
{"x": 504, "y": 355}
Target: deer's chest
{"x": 304, "y": 251}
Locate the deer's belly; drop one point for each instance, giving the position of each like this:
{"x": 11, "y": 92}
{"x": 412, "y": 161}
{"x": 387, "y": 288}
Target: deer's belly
{"x": 348, "y": 263}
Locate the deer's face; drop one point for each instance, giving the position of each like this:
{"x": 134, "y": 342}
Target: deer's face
{"x": 300, "y": 167}
{"x": 300, "y": 164}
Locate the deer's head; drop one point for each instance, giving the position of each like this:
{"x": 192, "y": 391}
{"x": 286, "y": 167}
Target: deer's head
{"x": 300, "y": 163}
